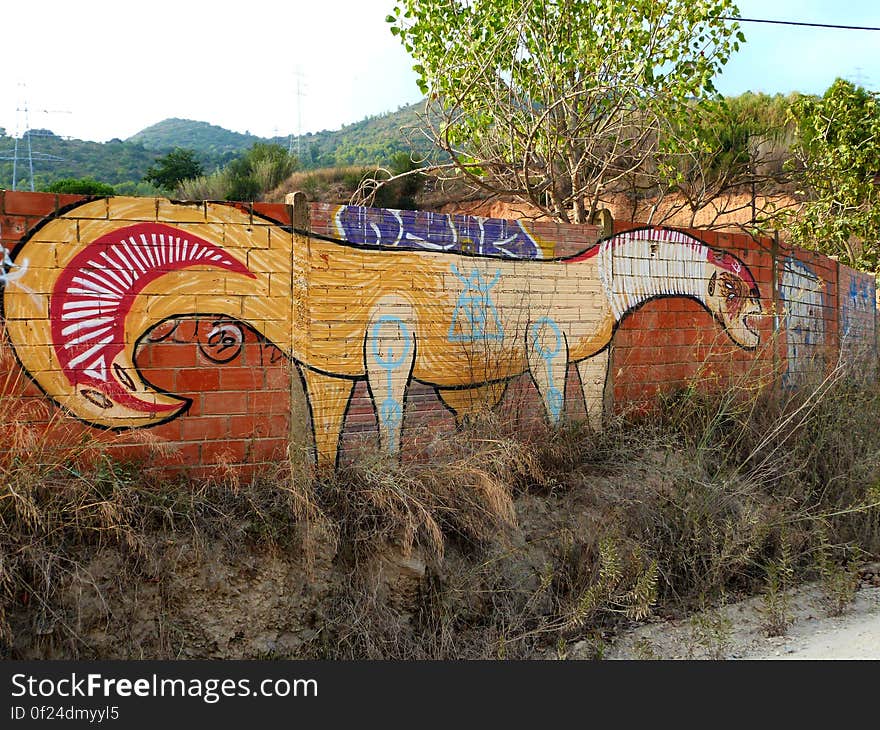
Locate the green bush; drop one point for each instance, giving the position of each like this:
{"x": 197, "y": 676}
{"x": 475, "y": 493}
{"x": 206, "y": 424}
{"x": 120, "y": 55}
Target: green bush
{"x": 262, "y": 168}
{"x": 249, "y": 177}
{"x": 81, "y": 186}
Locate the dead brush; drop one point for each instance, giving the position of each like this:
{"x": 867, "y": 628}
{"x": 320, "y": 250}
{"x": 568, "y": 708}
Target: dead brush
{"x": 461, "y": 486}
{"x": 65, "y": 497}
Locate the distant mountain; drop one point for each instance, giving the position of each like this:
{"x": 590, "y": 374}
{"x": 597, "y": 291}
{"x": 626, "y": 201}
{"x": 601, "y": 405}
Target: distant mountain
{"x": 115, "y": 162}
{"x": 123, "y": 163}
{"x": 372, "y": 141}
{"x": 207, "y": 139}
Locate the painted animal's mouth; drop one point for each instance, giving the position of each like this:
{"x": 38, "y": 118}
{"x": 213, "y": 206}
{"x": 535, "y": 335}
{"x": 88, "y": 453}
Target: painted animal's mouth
{"x": 750, "y": 319}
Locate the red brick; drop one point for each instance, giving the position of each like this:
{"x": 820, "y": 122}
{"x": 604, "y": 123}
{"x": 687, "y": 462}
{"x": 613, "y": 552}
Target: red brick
{"x": 169, "y": 431}
{"x": 275, "y": 211}
{"x": 278, "y": 377}
{"x": 238, "y": 378}
{"x": 224, "y": 402}
{"x": 195, "y": 380}
{"x": 23, "y": 203}
{"x": 13, "y": 227}
{"x": 226, "y": 451}
{"x": 162, "y": 378}
{"x": 187, "y": 453}
{"x": 67, "y": 199}
{"x": 267, "y": 449}
{"x": 168, "y": 354}
{"x": 248, "y": 426}
{"x": 270, "y": 401}
{"x": 204, "y": 428}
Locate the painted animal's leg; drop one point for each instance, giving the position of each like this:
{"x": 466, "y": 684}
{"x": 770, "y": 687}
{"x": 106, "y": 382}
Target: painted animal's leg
{"x": 548, "y": 364}
{"x": 389, "y": 352}
{"x": 466, "y": 402}
{"x": 593, "y": 373}
{"x": 328, "y": 402}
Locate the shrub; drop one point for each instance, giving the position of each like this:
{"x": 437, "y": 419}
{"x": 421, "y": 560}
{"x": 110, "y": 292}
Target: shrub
{"x": 81, "y": 186}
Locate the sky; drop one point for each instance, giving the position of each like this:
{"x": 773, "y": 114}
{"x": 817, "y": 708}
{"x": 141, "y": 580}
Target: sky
{"x": 102, "y": 69}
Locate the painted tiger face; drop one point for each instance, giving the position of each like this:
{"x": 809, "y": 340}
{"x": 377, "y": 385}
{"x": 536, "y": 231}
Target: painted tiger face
{"x": 735, "y": 301}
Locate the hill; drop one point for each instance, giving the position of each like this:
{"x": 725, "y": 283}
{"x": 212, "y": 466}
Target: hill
{"x": 371, "y": 141}
{"x": 209, "y": 140}
{"x": 54, "y": 158}
{"x": 123, "y": 163}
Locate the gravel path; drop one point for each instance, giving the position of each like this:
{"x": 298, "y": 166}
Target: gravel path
{"x": 738, "y": 631}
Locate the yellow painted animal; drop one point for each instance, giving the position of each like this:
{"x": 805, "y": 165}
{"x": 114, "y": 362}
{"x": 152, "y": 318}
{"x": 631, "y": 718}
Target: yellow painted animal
{"x": 87, "y": 286}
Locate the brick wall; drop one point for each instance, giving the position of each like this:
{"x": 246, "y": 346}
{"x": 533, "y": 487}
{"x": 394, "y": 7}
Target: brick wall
{"x": 223, "y": 332}
{"x": 857, "y": 326}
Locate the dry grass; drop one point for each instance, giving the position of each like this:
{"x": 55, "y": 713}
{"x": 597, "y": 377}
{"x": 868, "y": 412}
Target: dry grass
{"x": 326, "y": 185}
{"x": 494, "y": 542}
{"x": 718, "y": 495}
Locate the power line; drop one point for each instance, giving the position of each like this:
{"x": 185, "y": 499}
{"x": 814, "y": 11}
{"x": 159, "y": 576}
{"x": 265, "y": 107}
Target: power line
{"x": 797, "y": 22}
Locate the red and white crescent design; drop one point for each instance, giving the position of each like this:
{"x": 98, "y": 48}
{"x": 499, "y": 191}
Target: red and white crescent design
{"x": 95, "y": 292}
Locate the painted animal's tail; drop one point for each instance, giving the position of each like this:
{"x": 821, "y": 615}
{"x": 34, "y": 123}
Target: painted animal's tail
{"x": 84, "y": 294}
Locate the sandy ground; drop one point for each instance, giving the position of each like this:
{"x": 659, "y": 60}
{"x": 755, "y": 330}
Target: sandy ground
{"x": 728, "y": 214}
{"x": 737, "y": 631}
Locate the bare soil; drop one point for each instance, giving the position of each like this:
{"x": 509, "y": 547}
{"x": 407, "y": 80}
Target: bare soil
{"x": 728, "y": 214}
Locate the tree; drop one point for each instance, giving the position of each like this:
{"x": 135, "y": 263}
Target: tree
{"x": 838, "y": 151}
{"x": 555, "y": 102}
{"x": 80, "y": 186}
{"x": 169, "y": 171}
{"x": 721, "y": 149}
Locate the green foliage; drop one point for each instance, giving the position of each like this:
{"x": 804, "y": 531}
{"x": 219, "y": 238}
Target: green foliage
{"x": 124, "y": 163}
{"x": 371, "y": 141}
{"x": 722, "y": 145}
{"x": 207, "y": 187}
{"x": 262, "y": 168}
{"x": 259, "y": 170}
{"x": 112, "y": 162}
{"x": 178, "y": 165}
{"x": 776, "y": 601}
{"x": 629, "y": 589}
{"x": 838, "y": 571}
{"x": 554, "y": 101}
{"x": 80, "y": 186}
{"x": 139, "y": 189}
{"x": 214, "y": 143}
{"x": 711, "y": 631}
{"x": 838, "y": 148}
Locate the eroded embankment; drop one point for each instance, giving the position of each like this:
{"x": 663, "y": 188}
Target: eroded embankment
{"x": 489, "y": 544}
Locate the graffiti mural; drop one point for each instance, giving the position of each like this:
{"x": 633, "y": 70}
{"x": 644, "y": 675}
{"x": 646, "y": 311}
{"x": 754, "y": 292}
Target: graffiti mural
{"x": 803, "y": 320}
{"x": 9, "y": 270}
{"x": 421, "y": 230}
{"x": 463, "y": 324}
{"x": 858, "y": 311}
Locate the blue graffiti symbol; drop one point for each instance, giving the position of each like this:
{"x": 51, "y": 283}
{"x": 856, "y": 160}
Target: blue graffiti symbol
{"x": 390, "y": 410}
{"x": 555, "y": 398}
{"x": 853, "y": 291}
{"x": 474, "y": 309}
{"x": 860, "y": 300}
